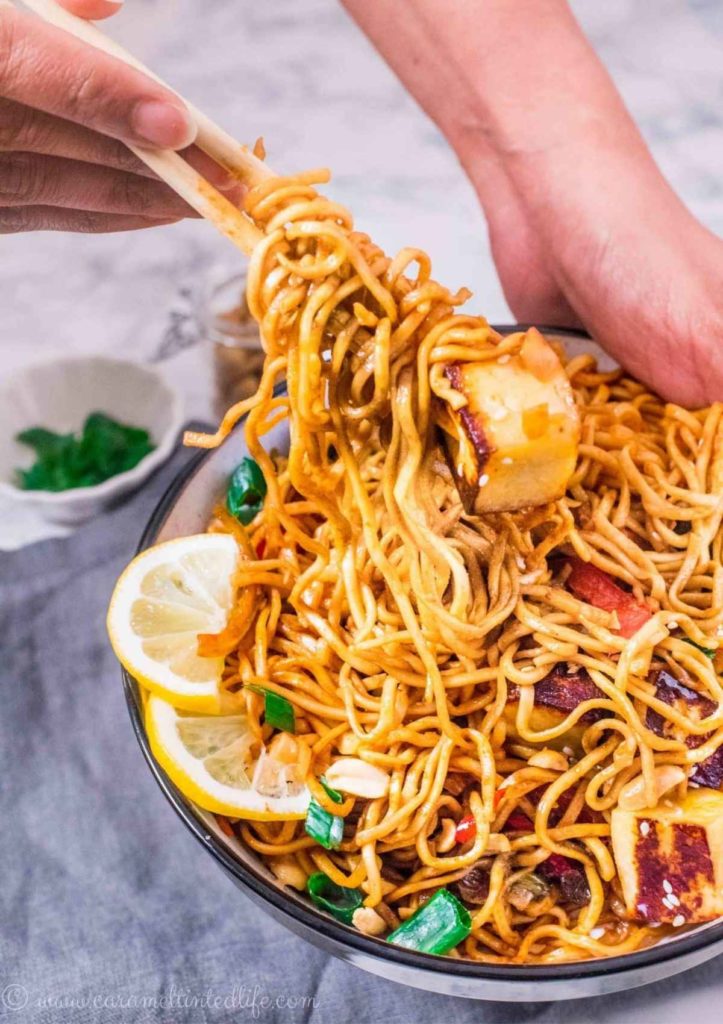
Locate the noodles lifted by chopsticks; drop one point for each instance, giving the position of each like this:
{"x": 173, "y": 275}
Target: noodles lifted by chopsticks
{"x": 466, "y": 656}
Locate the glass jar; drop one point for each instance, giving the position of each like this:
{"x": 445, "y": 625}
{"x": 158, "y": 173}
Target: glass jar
{"x": 237, "y": 355}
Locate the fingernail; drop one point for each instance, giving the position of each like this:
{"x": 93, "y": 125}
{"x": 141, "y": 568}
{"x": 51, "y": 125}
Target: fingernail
{"x": 163, "y": 125}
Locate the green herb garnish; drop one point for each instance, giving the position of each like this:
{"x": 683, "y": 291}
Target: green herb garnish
{"x": 103, "y": 449}
{"x": 333, "y": 794}
{"x": 437, "y": 927}
{"x": 708, "y": 651}
{"x": 278, "y": 711}
{"x": 339, "y": 901}
{"x": 327, "y": 829}
{"x": 246, "y": 491}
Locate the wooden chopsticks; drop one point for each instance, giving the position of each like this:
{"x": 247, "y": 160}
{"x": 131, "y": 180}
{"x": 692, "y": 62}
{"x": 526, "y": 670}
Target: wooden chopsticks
{"x": 169, "y": 165}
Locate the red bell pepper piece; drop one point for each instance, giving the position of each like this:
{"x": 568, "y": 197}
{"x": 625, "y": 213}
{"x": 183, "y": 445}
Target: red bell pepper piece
{"x": 466, "y": 829}
{"x": 261, "y": 548}
{"x": 596, "y": 587}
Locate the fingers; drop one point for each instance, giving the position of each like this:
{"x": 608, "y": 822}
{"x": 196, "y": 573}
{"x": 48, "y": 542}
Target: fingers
{"x": 232, "y": 188}
{"x": 93, "y": 10}
{"x": 44, "y": 67}
{"x": 23, "y": 129}
{"x": 27, "y": 179}
{"x": 49, "y": 218}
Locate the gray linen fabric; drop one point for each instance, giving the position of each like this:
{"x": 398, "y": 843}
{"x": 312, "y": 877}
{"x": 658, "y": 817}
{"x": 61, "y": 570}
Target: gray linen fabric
{"x": 109, "y": 909}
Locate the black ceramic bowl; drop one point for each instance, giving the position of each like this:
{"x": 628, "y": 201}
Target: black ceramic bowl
{"x": 185, "y": 509}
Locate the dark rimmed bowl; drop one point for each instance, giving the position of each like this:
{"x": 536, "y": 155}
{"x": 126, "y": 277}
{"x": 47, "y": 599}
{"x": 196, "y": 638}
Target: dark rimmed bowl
{"x": 185, "y": 509}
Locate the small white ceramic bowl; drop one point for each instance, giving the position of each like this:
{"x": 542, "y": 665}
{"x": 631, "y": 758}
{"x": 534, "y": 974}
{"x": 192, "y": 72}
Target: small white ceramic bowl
{"x": 59, "y": 395}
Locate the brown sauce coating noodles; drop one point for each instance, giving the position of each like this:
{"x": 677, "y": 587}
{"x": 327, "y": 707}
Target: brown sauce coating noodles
{"x": 397, "y": 624}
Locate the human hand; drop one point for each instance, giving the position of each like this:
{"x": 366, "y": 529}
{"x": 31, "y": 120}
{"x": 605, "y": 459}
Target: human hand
{"x": 584, "y": 229}
{"x": 66, "y": 110}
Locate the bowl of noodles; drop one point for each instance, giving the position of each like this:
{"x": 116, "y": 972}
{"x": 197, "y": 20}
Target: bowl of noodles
{"x": 468, "y": 682}
{"x": 186, "y": 508}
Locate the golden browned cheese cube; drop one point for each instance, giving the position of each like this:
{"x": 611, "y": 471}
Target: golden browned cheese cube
{"x": 670, "y": 858}
{"x": 559, "y": 693}
{"x": 514, "y": 443}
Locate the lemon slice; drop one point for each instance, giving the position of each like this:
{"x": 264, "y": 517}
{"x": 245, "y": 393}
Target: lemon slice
{"x": 164, "y": 599}
{"x": 215, "y": 762}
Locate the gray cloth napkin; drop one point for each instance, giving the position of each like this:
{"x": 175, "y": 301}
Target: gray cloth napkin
{"x": 109, "y": 909}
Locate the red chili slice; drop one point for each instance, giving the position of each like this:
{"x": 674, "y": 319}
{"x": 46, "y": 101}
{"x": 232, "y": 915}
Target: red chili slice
{"x": 261, "y": 548}
{"x": 596, "y": 587}
{"x": 466, "y": 829}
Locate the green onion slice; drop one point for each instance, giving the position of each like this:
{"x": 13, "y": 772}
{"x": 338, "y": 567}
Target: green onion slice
{"x": 333, "y": 794}
{"x": 278, "y": 711}
{"x": 327, "y": 829}
{"x": 708, "y": 651}
{"x": 340, "y": 902}
{"x": 246, "y": 491}
{"x": 440, "y": 925}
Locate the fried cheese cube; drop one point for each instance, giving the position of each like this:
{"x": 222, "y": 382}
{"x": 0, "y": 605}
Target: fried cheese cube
{"x": 670, "y": 858}
{"x": 514, "y": 442}
{"x": 556, "y": 696}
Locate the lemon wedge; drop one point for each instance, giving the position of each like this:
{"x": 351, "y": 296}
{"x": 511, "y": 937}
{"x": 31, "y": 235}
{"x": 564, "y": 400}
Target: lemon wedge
{"x": 216, "y": 762}
{"x": 164, "y": 599}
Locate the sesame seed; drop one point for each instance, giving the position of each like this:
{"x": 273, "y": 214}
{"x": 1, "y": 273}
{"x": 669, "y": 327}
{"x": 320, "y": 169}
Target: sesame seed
{"x": 507, "y": 461}
{"x": 597, "y": 933}
{"x": 484, "y": 479}
{"x": 568, "y": 751}
{"x": 666, "y": 903}
{"x": 644, "y": 828}
{"x": 667, "y": 886}
{"x": 678, "y": 921}
{"x": 673, "y": 900}
{"x": 643, "y": 908}
{"x": 520, "y": 562}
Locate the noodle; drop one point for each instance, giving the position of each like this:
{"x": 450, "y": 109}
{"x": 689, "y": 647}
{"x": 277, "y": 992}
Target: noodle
{"x": 413, "y": 635}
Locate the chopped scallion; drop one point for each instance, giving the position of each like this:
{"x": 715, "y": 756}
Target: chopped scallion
{"x": 246, "y": 491}
{"x": 340, "y": 902}
{"x": 327, "y": 829}
{"x": 437, "y": 927}
{"x": 278, "y": 711}
{"x": 333, "y": 794}
{"x": 708, "y": 651}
